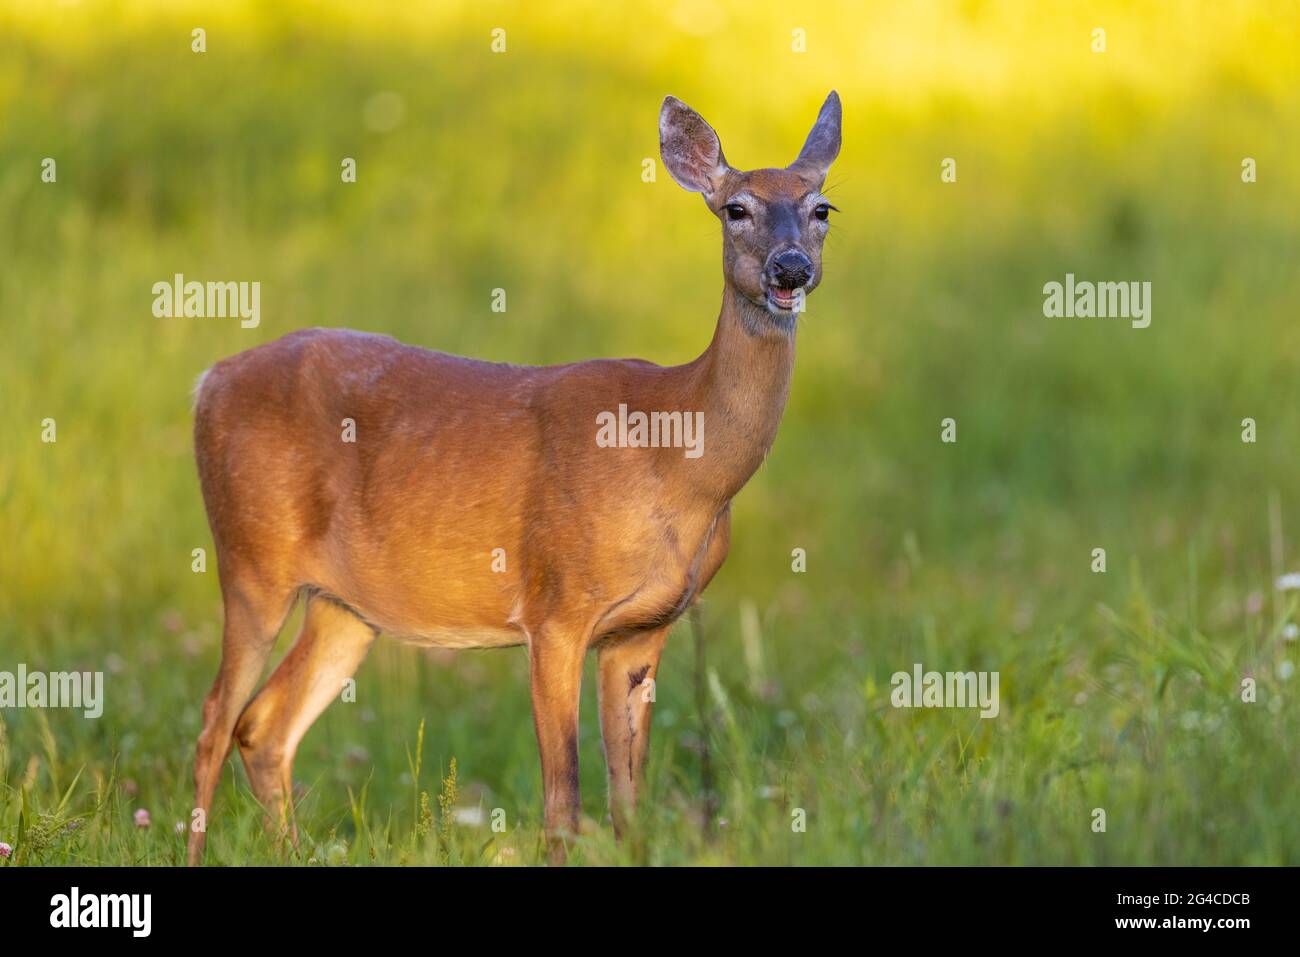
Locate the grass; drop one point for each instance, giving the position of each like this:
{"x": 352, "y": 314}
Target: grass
{"x": 1120, "y": 690}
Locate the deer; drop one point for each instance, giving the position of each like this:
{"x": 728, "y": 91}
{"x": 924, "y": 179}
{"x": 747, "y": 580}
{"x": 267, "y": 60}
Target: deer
{"x": 472, "y": 507}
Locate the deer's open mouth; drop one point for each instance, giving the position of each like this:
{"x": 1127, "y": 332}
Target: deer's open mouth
{"x": 785, "y": 299}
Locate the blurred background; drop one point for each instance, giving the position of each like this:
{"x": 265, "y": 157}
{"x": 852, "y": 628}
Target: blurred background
{"x": 522, "y": 170}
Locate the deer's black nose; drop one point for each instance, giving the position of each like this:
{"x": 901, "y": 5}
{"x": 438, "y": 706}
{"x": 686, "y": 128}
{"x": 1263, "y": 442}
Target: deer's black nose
{"x": 790, "y": 269}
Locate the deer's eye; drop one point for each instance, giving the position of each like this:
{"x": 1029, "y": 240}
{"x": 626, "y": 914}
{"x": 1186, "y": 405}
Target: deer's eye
{"x": 735, "y": 211}
{"x": 823, "y": 211}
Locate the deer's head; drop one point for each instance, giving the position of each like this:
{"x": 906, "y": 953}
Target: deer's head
{"x": 773, "y": 220}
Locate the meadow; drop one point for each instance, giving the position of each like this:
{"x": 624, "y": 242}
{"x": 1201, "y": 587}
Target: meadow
{"x": 522, "y": 170}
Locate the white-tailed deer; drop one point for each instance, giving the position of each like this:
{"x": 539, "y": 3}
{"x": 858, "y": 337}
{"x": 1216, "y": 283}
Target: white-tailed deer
{"x": 391, "y": 521}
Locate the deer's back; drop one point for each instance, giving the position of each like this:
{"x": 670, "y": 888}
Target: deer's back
{"x": 448, "y": 460}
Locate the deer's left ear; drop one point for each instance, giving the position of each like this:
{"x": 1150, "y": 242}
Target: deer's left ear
{"x": 691, "y": 150}
{"x": 823, "y": 143}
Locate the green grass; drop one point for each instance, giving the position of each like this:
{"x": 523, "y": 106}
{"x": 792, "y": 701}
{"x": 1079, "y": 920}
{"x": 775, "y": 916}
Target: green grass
{"x": 1119, "y": 690}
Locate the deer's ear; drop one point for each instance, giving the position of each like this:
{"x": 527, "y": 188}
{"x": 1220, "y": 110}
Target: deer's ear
{"x": 823, "y": 143}
{"x": 691, "y": 150}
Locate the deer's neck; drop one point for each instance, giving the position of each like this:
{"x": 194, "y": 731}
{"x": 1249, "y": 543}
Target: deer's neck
{"x": 741, "y": 384}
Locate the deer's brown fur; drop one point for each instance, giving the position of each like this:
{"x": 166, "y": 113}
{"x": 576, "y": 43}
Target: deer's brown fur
{"x": 454, "y": 458}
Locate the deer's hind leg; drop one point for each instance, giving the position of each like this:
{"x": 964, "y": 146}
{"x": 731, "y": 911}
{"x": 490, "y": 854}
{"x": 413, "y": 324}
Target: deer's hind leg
{"x": 329, "y": 649}
{"x": 254, "y": 614}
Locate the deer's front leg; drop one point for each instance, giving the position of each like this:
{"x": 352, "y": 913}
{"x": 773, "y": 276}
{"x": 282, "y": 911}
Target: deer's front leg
{"x": 555, "y": 668}
{"x": 627, "y": 669}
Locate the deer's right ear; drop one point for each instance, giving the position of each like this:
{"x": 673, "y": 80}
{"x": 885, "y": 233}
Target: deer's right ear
{"x": 691, "y": 150}
{"x": 823, "y": 143}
